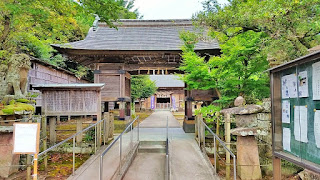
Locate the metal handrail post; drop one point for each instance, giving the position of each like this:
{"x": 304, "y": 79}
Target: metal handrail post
{"x": 120, "y": 155}
{"x": 95, "y": 139}
{"x": 138, "y": 130}
{"x": 73, "y": 155}
{"x": 101, "y": 168}
{"x": 199, "y": 132}
{"x": 204, "y": 137}
{"x": 234, "y": 168}
{"x": 215, "y": 155}
{"x": 104, "y": 132}
{"x": 131, "y": 136}
{"x": 216, "y": 149}
{"x": 167, "y": 127}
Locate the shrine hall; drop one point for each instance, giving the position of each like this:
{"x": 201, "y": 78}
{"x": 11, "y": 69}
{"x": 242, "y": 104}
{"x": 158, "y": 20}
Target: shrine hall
{"x": 137, "y": 47}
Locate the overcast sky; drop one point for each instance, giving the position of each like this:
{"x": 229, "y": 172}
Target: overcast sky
{"x": 169, "y": 9}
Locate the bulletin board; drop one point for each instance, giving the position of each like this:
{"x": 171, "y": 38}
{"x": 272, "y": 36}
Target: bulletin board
{"x": 26, "y": 138}
{"x": 296, "y": 112}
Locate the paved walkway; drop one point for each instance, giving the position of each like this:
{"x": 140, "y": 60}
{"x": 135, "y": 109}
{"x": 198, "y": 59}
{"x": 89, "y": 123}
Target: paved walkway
{"x": 186, "y": 159}
{"x": 158, "y": 119}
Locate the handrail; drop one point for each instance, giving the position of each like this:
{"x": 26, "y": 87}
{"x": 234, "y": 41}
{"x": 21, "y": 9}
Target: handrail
{"x": 167, "y": 170}
{"x": 73, "y": 136}
{"x": 220, "y": 141}
{"x": 114, "y": 141}
{"x": 215, "y": 149}
{"x": 111, "y": 145}
{"x": 36, "y": 156}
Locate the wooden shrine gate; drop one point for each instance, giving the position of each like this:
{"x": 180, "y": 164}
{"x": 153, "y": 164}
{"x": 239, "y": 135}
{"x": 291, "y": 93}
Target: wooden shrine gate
{"x": 136, "y": 47}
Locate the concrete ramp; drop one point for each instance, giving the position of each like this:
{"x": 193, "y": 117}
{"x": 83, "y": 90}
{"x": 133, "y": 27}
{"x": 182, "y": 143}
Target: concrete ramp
{"x": 147, "y": 166}
{"x": 186, "y": 159}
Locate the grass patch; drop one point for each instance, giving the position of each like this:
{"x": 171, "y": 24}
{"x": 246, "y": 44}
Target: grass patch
{"x": 60, "y": 164}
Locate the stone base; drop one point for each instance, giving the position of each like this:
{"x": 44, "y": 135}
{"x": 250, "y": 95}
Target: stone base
{"x": 6, "y": 156}
{"x": 248, "y": 158}
{"x": 189, "y": 126}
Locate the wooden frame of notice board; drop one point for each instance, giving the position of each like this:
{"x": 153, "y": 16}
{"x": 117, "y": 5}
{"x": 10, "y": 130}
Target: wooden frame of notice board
{"x": 21, "y": 148}
{"x": 295, "y": 98}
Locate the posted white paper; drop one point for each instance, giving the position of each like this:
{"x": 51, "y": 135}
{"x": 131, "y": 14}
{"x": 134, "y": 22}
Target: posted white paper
{"x": 317, "y": 128}
{"x": 25, "y": 138}
{"x": 289, "y": 86}
{"x": 303, "y": 84}
{"x": 301, "y": 123}
{"x": 286, "y": 111}
{"x": 286, "y": 139}
{"x": 316, "y": 81}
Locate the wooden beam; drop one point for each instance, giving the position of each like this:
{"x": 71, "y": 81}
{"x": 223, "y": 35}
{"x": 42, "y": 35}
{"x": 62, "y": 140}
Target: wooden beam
{"x": 276, "y": 168}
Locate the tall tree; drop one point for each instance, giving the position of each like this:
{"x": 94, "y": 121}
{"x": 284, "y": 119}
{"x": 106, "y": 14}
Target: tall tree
{"x": 292, "y": 25}
{"x": 30, "y": 26}
{"x": 238, "y": 71}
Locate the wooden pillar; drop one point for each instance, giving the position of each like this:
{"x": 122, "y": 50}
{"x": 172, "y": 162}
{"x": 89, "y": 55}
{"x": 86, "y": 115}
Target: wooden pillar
{"x": 52, "y": 128}
{"x": 188, "y": 109}
{"x": 79, "y": 128}
{"x": 276, "y": 168}
{"x": 201, "y": 129}
{"x": 128, "y": 109}
{"x": 122, "y": 109}
{"x": 58, "y": 120}
{"x": 111, "y": 125}
{"x": 44, "y": 143}
{"x": 196, "y": 125}
{"x": 99, "y": 139}
{"x": 228, "y": 138}
{"x": 106, "y": 126}
{"x": 188, "y": 105}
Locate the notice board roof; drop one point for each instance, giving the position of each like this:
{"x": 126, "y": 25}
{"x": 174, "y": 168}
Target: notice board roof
{"x": 300, "y": 60}
{"x": 53, "y": 87}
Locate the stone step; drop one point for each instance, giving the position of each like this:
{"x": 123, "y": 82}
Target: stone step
{"x": 152, "y": 143}
{"x": 152, "y": 147}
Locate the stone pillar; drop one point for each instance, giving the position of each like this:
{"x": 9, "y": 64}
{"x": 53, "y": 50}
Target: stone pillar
{"x": 247, "y": 154}
{"x": 79, "y": 128}
{"x": 122, "y": 110}
{"x": 52, "y": 128}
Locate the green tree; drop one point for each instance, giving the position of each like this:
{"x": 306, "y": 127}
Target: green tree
{"x": 291, "y": 25}
{"x": 238, "y": 71}
{"x": 142, "y": 87}
{"x": 30, "y": 26}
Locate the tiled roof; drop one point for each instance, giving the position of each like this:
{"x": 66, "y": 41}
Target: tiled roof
{"x": 139, "y": 35}
{"x": 167, "y": 81}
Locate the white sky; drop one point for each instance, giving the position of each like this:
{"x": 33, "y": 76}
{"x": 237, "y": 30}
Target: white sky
{"x": 169, "y": 9}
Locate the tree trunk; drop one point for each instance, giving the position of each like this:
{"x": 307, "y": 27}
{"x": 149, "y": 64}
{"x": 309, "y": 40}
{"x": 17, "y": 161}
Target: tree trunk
{"x": 6, "y": 31}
